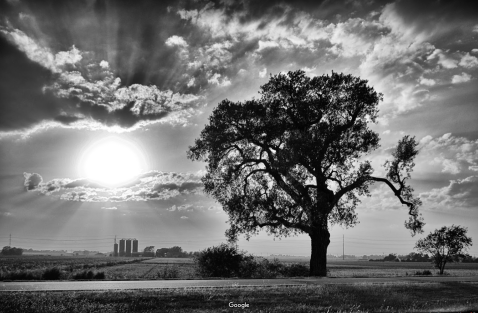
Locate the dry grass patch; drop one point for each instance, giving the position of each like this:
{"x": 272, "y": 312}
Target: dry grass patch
{"x": 390, "y": 297}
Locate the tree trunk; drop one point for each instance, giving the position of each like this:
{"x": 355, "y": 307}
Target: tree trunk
{"x": 320, "y": 239}
{"x": 442, "y": 267}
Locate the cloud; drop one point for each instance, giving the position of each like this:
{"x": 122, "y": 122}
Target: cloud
{"x": 427, "y": 81}
{"x": 216, "y": 79}
{"x": 459, "y": 193}
{"x": 184, "y": 217}
{"x": 443, "y": 59}
{"x": 109, "y": 208}
{"x": 176, "y": 41}
{"x": 32, "y": 180}
{"x": 193, "y": 47}
{"x": 463, "y": 78}
{"x": 83, "y": 91}
{"x": 153, "y": 185}
{"x": 453, "y": 155}
{"x": 468, "y": 61}
{"x": 104, "y": 64}
{"x": 263, "y": 73}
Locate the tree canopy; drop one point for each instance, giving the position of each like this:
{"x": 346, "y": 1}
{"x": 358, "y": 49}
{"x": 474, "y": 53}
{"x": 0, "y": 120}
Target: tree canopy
{"x": 445, "y": 244}
{"x": 293, "y": 161}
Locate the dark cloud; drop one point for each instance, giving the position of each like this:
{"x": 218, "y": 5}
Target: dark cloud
{"x": 32, "y": 180}
{"x": 431, "y": 13}
{"x": 459, "y": 193}
{"x": 154, "y": 185}
{"x": 22, "y": 102}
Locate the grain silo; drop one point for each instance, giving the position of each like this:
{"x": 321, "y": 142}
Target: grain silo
{"x": 121, "y": 247}
{"x": 135, "y": 245}
{"x": 115, "y": 249}
{"x": 128, "y": 247}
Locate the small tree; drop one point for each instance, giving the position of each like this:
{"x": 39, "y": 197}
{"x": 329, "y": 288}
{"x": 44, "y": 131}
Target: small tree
{"x": 445, "y": 244}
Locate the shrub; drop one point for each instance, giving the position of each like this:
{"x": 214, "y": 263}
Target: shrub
{"x": 424, "y": 272}
{"x": 100, "y": 275}
{"x": 227, "y": 261}
{"x": 21, "y": 275}
{"x": 89, "y": 275}
{"x": 269, "y": 269}
{"x": 168, "y": 272}
{"x": 295, "y": 270}
{"x": 248, "y": 267}
{"x": 52, "y": 274}
{"x": 219, "y": 261}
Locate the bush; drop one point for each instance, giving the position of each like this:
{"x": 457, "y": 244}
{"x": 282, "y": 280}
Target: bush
{"x": 20, "y": 275}
{"x": 52, "y": 274}
{"x": 296, "y": 270}
{"x": 248, "y": 267}
{"x": 269, "y": 269}
{"x": 220, "y": 261}
{"x": 227, "y": 261}
{"x": 11, "y": 251}
{"x": 425, "y": 272}
{"x": 89, "y": 275}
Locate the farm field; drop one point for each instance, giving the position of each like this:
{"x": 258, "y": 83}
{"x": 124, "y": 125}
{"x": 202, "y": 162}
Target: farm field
{"x": 390, "y": 297}
{"x": 32, "y": 267}
{"x": 387, "y": 269}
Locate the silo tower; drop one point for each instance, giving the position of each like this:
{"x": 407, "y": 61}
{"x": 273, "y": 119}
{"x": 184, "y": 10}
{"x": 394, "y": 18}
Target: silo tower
{"x": 121, "y": 247}
{"x": 128, "y": 247}
{"x": 115, "y": 248}
{"x": 135, "y": 245}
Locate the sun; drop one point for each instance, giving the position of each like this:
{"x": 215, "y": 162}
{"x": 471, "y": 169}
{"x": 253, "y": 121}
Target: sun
{"x": 112, "y": 162}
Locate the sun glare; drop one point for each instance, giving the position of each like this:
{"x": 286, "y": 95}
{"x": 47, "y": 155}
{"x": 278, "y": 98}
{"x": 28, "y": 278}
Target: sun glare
{"x": 112, "y": 162}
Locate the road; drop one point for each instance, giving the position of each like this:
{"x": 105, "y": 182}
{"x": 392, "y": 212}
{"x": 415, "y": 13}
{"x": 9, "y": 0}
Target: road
{"x": 158, "y": 284}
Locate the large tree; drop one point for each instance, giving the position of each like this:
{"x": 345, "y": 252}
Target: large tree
{"x": 293, "y": 161}
{"x": 445, "y": 244}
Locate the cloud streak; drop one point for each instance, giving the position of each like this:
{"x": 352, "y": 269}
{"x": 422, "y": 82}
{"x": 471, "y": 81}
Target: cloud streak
{"x": 153, "y": 185}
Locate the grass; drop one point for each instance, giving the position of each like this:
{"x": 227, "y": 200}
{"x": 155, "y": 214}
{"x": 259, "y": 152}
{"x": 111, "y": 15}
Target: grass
{"x": 417, "y": 297}
{"x": 34, "y": 267}
{"x": 55, "y": 267}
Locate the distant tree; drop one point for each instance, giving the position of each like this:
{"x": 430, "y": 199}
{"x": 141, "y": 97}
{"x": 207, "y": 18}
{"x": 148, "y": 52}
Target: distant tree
{"x": 445, "y": 244}
{"x": 161, "y": 252}
{"x": 292, "y": 161}
{"x": 7, "y": 250}
{"x": 391, "y": 257}
{"x": 149, "y": 249}
{"x": 417, "y": 257}
{"x": 175, "y": 252}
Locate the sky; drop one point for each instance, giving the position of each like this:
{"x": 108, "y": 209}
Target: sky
{"x": 100, "y": 101}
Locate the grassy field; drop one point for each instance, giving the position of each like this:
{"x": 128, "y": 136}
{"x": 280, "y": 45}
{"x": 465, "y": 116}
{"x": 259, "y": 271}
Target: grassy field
{"x": 390, "y": 269}
{"x": 16, "y": 267}
{"x": 416, "y": 297}
{"x": 33, "y": 266}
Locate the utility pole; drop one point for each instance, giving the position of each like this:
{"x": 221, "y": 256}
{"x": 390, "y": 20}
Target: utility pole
{"x": 10, "y": 241}
{"x": 343, "y": 247}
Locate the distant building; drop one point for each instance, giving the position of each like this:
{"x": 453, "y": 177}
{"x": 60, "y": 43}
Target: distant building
{"x": 127, "y": 247}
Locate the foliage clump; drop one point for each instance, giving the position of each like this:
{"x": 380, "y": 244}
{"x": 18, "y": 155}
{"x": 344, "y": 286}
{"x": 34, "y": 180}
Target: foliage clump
{"x": 53, "y": 273}
{"x": 227, "y": 261}
{"x": 445, "y": 245}
{"x": 89, "y": 275}
{"x": 7, "y": 250}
